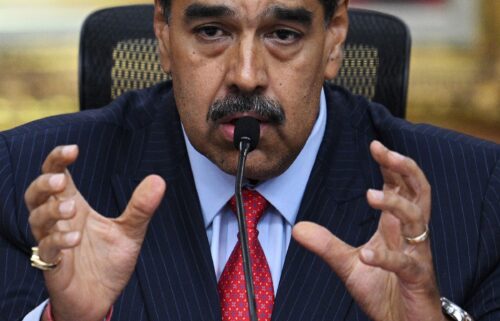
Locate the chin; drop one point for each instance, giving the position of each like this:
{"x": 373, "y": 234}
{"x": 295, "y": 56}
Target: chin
{"x": 259, "y": 167}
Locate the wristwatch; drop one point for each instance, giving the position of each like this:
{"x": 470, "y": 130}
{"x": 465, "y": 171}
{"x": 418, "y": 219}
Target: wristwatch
{"x": 453, "y": 311}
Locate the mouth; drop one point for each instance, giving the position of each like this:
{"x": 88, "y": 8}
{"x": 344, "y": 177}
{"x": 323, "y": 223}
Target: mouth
{"x": 231, "y": 119}
{"x": 227, "y": 124}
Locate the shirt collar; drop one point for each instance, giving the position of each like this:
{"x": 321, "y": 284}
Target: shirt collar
{"x": 283, "y": 192}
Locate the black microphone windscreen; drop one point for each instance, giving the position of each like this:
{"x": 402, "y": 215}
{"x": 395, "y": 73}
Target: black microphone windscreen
{"x": 248, "y": 127}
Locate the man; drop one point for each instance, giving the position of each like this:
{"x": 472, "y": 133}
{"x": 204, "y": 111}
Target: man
{"x": 165, "y": 255}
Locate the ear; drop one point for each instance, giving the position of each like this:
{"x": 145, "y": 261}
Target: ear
{"x": 336, "y": 35}
{"x": 161, "y": 29}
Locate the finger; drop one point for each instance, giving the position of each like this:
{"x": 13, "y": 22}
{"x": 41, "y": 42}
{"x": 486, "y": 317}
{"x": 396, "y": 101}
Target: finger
{"x": 44, "y": 217}
{"x": 56, "y": 179}
{"x": 390, "y": 229}
{"x": 317, "y": 239}
{"x": 50, "y": 247}
{"x": 391, "y": 165}
{"x": 145, "y": 199}
{"x": 410, "y": 172}
{"x": 392, "y": 179}
{"x": 413, "y": 222}
{"x": 60, "y": 158}
{"x": 406, "y": 267}
{"x": 396, "y": 183}
{"x": 44, "y": 187}
{"x": 57, "y": 162}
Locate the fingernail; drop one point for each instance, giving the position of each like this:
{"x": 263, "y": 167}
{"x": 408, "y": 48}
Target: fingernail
{"x": 72, "y": 237}
{"x": 376, "y": 142}
{"x": 376, "y": 194}
{"x": 367, "y": 254}
{"x": 397, "y": 156}
{"x": 68, "y": 150}
{"x": 66, "y": 207}
{"x": 56, "y": 180}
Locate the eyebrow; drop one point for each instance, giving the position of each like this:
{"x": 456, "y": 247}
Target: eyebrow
{"x": 300, "y": 14}
{"x": 198, "y": 10}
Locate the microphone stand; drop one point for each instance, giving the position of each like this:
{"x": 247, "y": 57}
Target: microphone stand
{"x": 244, "y": 147}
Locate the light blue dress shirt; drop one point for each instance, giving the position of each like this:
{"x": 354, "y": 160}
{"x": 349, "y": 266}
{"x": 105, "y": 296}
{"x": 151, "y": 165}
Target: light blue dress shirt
{"x": 284, "y": 193}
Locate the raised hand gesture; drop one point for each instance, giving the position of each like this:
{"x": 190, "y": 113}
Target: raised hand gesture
{"x": 391, "y": 277}
{"x": 94, "y": 256}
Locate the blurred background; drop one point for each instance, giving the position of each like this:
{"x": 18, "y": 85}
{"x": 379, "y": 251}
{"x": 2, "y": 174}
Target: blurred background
{"x": 454, "y": 73}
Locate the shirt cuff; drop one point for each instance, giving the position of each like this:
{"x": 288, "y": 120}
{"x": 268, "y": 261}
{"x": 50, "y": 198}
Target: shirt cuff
{"x": 36, "y": 314}
{"x": 48, "y": 313}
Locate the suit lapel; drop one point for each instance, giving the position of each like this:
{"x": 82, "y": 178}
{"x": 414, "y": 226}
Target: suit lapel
{"x": 174, "y": 269}
{"x": 334, "y": 198}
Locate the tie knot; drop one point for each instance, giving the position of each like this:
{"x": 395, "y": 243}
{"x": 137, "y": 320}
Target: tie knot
{"x": 254, "y": 204}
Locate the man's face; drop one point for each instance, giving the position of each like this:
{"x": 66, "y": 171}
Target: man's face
{"x": 269, "y": 54}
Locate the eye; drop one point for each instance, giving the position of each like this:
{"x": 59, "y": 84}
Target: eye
{"x": 210, "y": 32}
{"x": 285, "y": 36}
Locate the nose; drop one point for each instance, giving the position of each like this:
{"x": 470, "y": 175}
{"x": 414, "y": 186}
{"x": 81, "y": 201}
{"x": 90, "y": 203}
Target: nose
{"x": 247, "y": 71}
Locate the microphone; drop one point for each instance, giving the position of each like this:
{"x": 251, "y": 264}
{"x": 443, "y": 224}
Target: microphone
{"x": 247, "y": 130}
{"x": 245, "y": 139}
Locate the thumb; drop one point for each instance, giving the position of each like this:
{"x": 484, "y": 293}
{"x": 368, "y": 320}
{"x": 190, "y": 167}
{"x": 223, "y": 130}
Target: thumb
{"x": 317, "y": 239}
{"x": 141, "y": 207}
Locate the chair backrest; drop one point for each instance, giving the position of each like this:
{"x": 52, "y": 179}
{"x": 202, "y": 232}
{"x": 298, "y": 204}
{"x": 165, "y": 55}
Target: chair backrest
{"x": 118, "y": 52}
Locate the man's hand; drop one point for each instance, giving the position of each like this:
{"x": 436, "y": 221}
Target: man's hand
{"x": 97, "y": 254}
{"x": 389, "y": 278}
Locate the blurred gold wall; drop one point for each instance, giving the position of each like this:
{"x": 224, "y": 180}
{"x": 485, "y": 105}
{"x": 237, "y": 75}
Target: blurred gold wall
{"x": 451, "y": 86}
{"x": 458, "y": 87}
{"x": 39, "y": 56}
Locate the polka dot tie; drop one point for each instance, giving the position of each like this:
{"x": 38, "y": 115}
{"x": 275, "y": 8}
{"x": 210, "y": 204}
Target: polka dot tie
{"x": 232, "y": 290}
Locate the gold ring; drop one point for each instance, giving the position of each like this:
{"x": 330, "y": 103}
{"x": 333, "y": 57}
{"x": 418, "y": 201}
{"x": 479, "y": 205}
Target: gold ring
{"x": 420, "y": 238}
{"x": 38, "y": 263}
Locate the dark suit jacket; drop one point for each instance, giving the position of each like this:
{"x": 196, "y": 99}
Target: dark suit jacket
{"x": 140, "y": 134}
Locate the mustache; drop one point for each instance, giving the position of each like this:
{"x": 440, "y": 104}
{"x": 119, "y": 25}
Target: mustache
{"x": 267, "y": 108}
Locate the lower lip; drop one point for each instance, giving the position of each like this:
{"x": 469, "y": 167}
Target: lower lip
{"x": 228, "y": 130}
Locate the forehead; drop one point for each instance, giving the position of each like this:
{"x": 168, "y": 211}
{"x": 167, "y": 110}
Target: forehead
{"x": 248, "y": 9}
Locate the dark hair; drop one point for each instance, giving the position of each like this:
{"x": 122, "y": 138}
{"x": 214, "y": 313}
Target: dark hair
{"x": 329, "y": 7}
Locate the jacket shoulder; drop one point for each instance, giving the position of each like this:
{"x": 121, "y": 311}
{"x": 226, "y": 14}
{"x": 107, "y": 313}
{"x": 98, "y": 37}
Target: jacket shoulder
{"x": 375, "y": 119}
{"x": 110, "y": 141}
{"x": 454, "y": 163}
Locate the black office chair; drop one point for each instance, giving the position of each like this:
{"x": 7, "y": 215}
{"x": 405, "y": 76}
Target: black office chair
{"x": 118, "y": 52}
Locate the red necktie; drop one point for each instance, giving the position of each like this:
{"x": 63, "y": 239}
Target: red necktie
{"x": 232, "y": 290}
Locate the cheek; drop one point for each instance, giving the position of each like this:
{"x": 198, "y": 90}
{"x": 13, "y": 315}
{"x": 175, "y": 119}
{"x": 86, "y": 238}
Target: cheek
{"x": 301, "y": 77}
{"x": 195, "y": 75}
{"x": 197, "y": 82}
{"x": 306, "y": 71}
{"x": 299, "y": 90}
